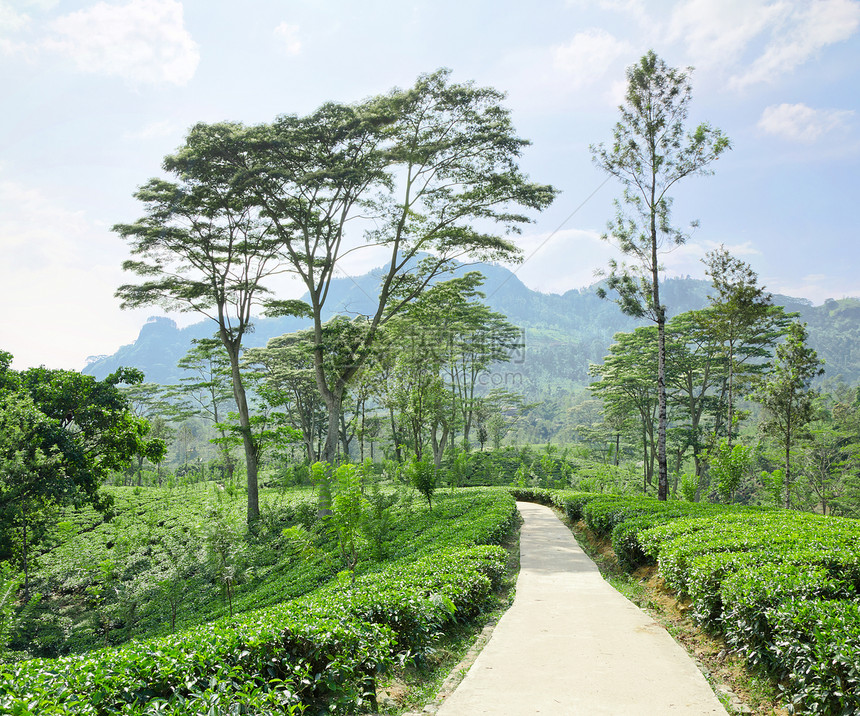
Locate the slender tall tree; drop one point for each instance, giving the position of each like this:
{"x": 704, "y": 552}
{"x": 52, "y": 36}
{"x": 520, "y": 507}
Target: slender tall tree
{"x": 650, "y": 153}
{"x": 433, "y": 166}
{"x": 786, "y": 394}
{"x": 203, "y": 247}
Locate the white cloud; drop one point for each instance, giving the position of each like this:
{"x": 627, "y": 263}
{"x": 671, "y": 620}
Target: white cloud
{"x": 808, "y": 28}
{"x": 628, "y": 9}
{"x": 758, "y": 41}
{"x": 715, "y": 33}
{"x": 797, "y": 122}
{"x": 589, "y": 56}
{"x": 288, "y": 36}
{"x": 143, "y": 41}
{"x": 40, "y": 4}
{"x": 11, "y": 20}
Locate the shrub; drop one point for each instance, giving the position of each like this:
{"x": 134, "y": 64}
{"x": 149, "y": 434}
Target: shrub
{"x": 319, "y": 653}
{"x": 422, "y": 474}
{"x": 783, "y": 587}
{"x": 817, "y": 643}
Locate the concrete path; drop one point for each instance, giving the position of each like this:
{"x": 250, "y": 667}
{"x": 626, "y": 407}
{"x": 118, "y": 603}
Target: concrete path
{"x": 571, "y": 644}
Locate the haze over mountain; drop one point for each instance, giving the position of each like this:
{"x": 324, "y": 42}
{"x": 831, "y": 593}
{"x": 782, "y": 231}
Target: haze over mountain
{"x": 563, "y": 332}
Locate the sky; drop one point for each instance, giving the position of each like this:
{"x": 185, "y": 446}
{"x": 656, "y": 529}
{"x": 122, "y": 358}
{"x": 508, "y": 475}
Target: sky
{"x": 93, "y": 95}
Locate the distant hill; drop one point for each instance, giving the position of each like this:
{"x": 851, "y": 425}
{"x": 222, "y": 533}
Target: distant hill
{"x": 564, "y": 333}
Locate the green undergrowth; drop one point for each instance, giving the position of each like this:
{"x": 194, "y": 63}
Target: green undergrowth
{"x": 320, "y": 652}
{"x": 417, "y": 682}
{"x": 782, "y": 587}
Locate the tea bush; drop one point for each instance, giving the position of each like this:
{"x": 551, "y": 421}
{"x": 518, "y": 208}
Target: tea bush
{"x": 318, "y": 653}
{"x": 783, "y": 587}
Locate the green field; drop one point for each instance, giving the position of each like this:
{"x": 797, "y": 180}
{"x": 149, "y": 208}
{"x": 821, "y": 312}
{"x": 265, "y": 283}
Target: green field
{"x": 173, "y": 607}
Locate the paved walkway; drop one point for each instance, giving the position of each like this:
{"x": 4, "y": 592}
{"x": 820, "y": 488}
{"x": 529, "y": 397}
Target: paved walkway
{"x": 571, "y": 644}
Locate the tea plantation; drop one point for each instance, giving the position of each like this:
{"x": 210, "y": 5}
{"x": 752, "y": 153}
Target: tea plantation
{"x": 181, "y": 611}
{"x": 227, "y": 622}
{"x": 782, "y": 587}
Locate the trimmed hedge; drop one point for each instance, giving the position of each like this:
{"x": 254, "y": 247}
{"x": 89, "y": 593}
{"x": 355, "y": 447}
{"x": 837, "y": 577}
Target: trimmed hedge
{"x": 317, "y": 654}
{"x": 783, "y": 587}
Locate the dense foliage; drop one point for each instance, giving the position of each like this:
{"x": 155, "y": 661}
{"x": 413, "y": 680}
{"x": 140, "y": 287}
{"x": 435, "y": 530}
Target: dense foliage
{"x": 782, "y": 587}
{"x": 308, "y": 654}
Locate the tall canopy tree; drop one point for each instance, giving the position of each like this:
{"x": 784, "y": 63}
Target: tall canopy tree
{"x": 286, "y": 364}
{"x": 626, "y": 385}
{"x": 439, "y": 346}
{"x": 787, "y": 396}
{"x": 650, "y": 153}
{"x": 288, "y": 378}
{"x": 432, "y": 167}
{"x": 478, "y": 339}
{"x": 203, "y": 247}
{"x": 745, "y": 323}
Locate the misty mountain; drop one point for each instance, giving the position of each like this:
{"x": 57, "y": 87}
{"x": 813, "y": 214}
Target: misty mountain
{"x": 563, "y": 333}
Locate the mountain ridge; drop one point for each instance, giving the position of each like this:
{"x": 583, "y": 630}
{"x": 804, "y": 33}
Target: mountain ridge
{"x": 563, "y": 332}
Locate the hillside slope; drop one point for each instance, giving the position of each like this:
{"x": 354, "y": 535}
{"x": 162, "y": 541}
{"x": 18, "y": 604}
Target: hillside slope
{"x": 564, "y": 333}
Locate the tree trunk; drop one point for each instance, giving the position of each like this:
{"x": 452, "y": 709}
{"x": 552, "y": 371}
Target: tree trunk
{"x": 646, "y": 475}
{"x": 439, "y": 445}
{"x": 334, "y": 405}
{"x": 361, "y": 434}
{"x": 662, "y": 470}
{"x": 731, "y": 416}
{"x": 394, "y": 439}
{"x": 26, "y": 569}
{"x": 788, "y": 472}
{"x": 345, "y": 439}
{"x": 248, "y": 441}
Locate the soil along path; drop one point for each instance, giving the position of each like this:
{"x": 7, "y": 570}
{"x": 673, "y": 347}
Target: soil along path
{"x": 571, "y": 644}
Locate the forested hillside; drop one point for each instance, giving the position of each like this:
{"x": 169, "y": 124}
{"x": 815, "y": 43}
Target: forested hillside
{"x": 563, "y": 333}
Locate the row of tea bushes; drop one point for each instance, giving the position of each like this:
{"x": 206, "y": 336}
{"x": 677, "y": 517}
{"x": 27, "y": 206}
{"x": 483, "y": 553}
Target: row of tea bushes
{"x": 782, "y": 587}
{"x": 279, "y": 660}
{"x": 317, "y": 654}
{"x": 165, "y": 553}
